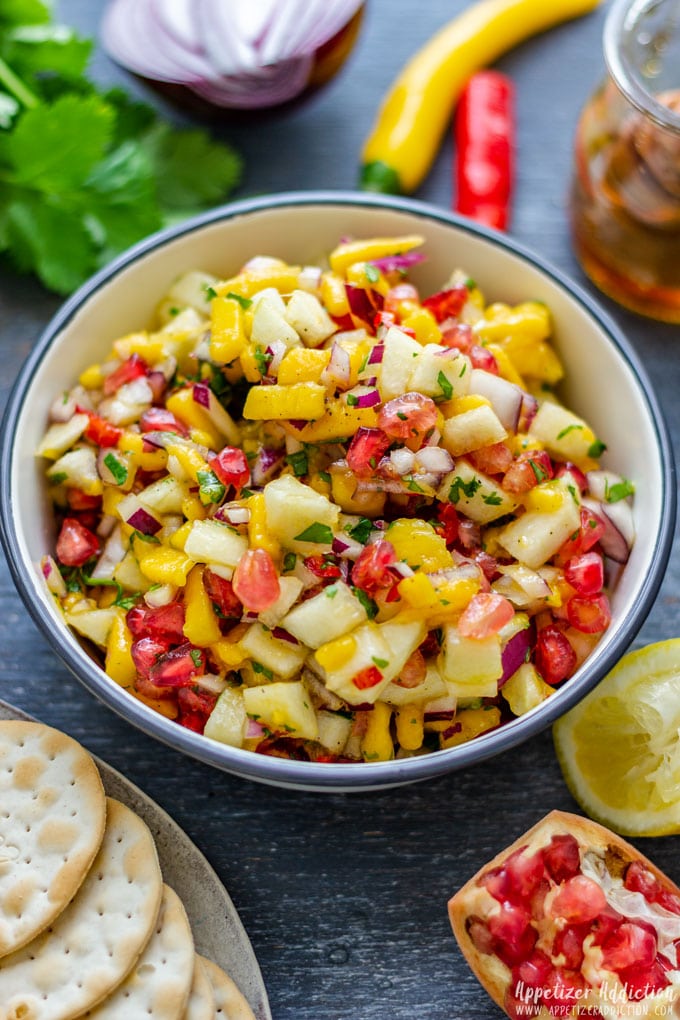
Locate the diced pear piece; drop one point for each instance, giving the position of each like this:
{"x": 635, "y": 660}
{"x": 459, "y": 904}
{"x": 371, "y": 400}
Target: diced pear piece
{"x": 334, "y": 730}
{"x": 283, "y": 706}
{"x": 165, "y": 496}
{"x": 326, "y": 616}
{"x": 475, "y": 494}
{"x": 61, "y": 436}
{"x": 279, "y": 656}
{"x": 269, "y": 326}
{"x": 537, "y": 535}
{"x": 310, "y": 320}
{"x": 227, "y": 721}
{"x": 289, "y": 589}
{"x": 93, "y": 624}
{"x": 433, "y": 686}
{"x": 294, "y": 509}
{"x": 78, "y": 468}
{"x": 193, "y": 289}
{"x": 212, "y": 542}
{"x": 562, "y": 432}
{"x": 400, "y": 350}
{"x": 440, "y": 373}
{"x": 472, "y": 667}
{"x": 472, "y": 430}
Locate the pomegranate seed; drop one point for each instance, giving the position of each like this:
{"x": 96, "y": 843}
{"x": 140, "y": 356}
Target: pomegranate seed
{"x": 554, "y": 657}
{"x": 562, "y": 991}
{"x": 578, "y": 900}
{"x": 590, "y": 614}
{"x": 367, "y": 447}
{"x": 76, "y": 544}
{"x": 537, "y": 901}
{"x": 458, "y": 335}
{"x": 408, "y": 416}
{"x": 528, "y": 469}
{"x": 158, "y": 419}
{"x": 371, "y": 569}
{"x": 255, "y": 581}
{"x": 446, "y": 303}
{"x": 568, "y": 943}
{"x": 146, "y": 652}
{"x": 514, "y": 936}
{"x": 413, "y": 671}
{"x": 231, "y": 467}
{"x": 146, "y": 687}
{"x": 492, "y": 460}
{"x": 639, "y": 879}
{"x": 366, "y": 678}
{"x": 629, "y": 946}
{"x": 484, "y": 615}
{"x": 221, "y": 594}
{"x": 197, "y": 702}
{"x": 585, "y": 573}
{"x": 562, "y": 858}
{"x": 165, "y": 623}
{"x": 606, "y": 922}
{"x": 640, "y": 982}
{"x": 178, "y": 667}
{"x": 481, "y": 358}
{"x": 669, "y": 901}
{"x": 133, "y": 368}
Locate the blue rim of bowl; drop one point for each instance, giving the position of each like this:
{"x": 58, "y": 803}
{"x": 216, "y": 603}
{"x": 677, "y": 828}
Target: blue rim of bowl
{"x": 334, "y": 776}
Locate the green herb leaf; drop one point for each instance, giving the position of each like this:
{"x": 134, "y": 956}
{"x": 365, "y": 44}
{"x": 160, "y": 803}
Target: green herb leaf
{"x": 380, "y": 663}
{"x": 299, "y": 462}
{"x": 196, "y": 657}
{"x": 372, "y": 272}
{"x": 540, "y": 473}
{"x": 596, "y": 449}
{"x": 618, "y": 491}
{"x": 244, "y": 302}
{"x": 460, "y": 487}
{"x": 316, "y": 532}
{"x": 367, "y": 602}
{"x": 210, "y": 488}
{"x": 259, "y": 668}
{"x": 118, "y": 470}
{"x": 360, "y": 531}
{"x": 492, "y": 499}
{"x": 569, "y": 428}
{"x": 289, "y": 561}
{"x": 445, "y": 385}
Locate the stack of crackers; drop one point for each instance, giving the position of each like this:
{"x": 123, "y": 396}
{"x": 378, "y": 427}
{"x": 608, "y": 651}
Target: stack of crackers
{"x": 88, "y": 928}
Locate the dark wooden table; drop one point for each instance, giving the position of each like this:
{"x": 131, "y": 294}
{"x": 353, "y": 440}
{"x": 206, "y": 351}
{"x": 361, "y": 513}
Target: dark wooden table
{"x": 344, "y": 896}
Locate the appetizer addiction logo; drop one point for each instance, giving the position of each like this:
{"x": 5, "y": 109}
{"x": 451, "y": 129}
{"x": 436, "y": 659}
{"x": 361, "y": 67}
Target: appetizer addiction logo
{"x": 614, "y": 1000}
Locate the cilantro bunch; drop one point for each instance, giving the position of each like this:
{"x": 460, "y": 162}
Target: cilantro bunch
{"x": 85, "y": 173}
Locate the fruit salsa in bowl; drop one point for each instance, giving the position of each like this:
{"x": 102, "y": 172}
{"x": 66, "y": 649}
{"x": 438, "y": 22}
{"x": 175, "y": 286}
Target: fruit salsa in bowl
{"x": 336, "y": 491}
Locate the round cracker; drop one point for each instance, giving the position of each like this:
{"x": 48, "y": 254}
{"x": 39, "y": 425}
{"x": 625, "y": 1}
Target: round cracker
{"x": 201, "y": 1004}
{"x": 52, "y": 817}
{"x": 159, "y": 984}
{"x": 230, "y": 1004}
{"x": 95, "y": 941}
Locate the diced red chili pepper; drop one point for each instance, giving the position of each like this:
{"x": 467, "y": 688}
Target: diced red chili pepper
{"x": 366, "y": 678}
{"x": 447, "y": 515}
{"x": 79, "y": 500}
{"x": 447, "y": 303}
{"x": 133, "y": 367}
{"x": 76, "y": 544}
{"x": 99, "y": 430}
{"x": 484, "y": 139}
{"x": 323, "y": 566}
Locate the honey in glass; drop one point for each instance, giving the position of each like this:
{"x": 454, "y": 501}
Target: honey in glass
{"x": 625, "y": 201}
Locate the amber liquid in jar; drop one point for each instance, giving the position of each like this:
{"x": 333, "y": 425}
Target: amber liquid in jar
{"x": 625, "y": 202}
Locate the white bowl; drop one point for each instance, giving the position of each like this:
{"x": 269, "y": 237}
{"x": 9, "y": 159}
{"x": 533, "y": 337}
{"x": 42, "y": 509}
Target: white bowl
{"x": 605, "y": 383}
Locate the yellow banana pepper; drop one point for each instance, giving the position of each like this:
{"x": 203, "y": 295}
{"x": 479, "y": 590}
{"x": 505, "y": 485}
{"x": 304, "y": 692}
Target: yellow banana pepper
{"x": 410, "y": 124}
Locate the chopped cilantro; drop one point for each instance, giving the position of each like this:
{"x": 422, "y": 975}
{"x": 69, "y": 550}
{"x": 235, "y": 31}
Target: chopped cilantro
{"x": 118, "y": 470}
{"x": 540, "y": 473}
{"x": 246, "y": 493}
{"x": 259, "y": 668}
{"x": 360, "y": 531}
{"x": 352, "y": 400}
{"x": 380, "y": 663}
{"x": 458, "y": 487}
{"x": 367, "y": 602}
{"x": 57, "y": 478}
{"x": 196, "y": 657}
{"x": 620, "y": 490}
{"x": 492, "y": 499}
{"x": 210, "y": 292}
{"x": 372, "y": 272}
{"x": 412, "y": 486}
{"x": 324, "y": 476}
{"x": 568, "y": 429}
{"x": 445, "y": 386}
{"x": 316, "y": 532}
{"x": 211, "y": 489}
{"x": 299, "y": 463}
{"x": 330, "y": 591}
{"x": 244, "y": 302}
{"x": 572, "y": 490}
{"x": 262, "y": 360}
{"x": 289, "y": 561}
{"x": 141, "y": 537}
{"x": 596, "y": 449}
{"x": 402, "y": 416}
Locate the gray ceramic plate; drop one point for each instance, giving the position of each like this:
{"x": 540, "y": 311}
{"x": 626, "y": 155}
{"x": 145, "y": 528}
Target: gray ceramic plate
{"x": 217, "y": 928}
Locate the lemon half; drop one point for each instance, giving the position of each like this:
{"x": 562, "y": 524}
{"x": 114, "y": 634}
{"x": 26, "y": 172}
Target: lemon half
{"x": 619, "y": 748}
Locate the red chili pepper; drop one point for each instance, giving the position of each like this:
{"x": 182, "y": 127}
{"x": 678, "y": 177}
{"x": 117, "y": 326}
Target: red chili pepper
{"x": 484, "y": 136}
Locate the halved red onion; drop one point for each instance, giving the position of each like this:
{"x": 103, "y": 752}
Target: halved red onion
{"x": 127, "y": 31}
{"x": 505, "y": 397}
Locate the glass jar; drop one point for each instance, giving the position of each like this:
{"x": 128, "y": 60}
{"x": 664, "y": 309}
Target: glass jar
{"x": 625, "y": 201}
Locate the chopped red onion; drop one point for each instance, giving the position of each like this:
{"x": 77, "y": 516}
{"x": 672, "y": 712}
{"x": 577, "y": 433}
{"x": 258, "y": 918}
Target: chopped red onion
{"x": 366, "y": 397}
{"x": 506, "y": 398}
{"x": 396, "y": 263}
{"x": 142, "y": 520}
{"x": 201, "y": 394}
{"x": 233, "y": 513}
{"x": 377, "y": 354}
{"x": 309, "y": 278}
{"x": 254, "y": 730}
{"x": 339, "y": 368}
{"x": 515, "y": 653}
{"x": 266, "y": 464}
{"x": 284, "y": 635}
{"x": 402, "y": 460}
{"x": 434, "y": 459}
{"x": 276, "y": 350}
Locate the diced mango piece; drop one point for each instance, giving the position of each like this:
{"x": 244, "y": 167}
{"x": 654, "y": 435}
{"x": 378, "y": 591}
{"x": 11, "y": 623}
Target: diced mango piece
{"x": 151, "y": 347}
{"x": 470, "y": 723}
{"x": 248, "y": 282}
{"x": 227, "y": 333}
{"x": 301, "y": 400}
{"x": 337, "y": 422}
{"x": 119, "y": 663}
{"x": 424, "y": 325}
{"x": 409, "y": 726}
{"x": 335, "y": 654}
{"x": 334, "y": 295}
{"x": 163, "y": 565}
{"x": 201, "y": 625}
{"x": 418, "y": 544}
{"x": 377, "y": 742}
{"x": 373, "y": 248}
{"x": 302, "y": 365}
{"x": 259, "y": 536}
{"x": 525, "y": 689}
{"x": 182, "y": 404}
{"x": 92, "y": 377}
